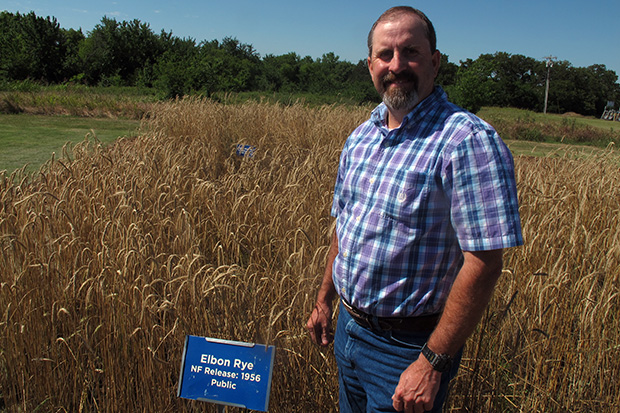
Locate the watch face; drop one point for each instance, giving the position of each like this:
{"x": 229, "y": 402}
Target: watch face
{"x": 442, "y": 363}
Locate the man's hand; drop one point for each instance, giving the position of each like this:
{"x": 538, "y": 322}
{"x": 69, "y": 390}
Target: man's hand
{"x": 417, "y": 387}
{"x": 469, "y": 296}
{"x": 320, "y": 324}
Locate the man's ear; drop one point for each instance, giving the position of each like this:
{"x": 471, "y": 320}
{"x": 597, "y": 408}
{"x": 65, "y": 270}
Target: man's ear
{"x": 436, "y": 58}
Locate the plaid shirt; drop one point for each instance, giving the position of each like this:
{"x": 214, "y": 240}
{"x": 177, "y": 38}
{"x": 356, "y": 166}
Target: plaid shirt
{"x": 410, "y": 200}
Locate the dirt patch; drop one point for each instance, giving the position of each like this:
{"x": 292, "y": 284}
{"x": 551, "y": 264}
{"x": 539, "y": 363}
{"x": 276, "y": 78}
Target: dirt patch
{"x": 572, "y": 115}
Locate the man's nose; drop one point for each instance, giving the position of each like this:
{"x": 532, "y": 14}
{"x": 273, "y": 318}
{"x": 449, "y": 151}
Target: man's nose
{"x": 398, "y": 62}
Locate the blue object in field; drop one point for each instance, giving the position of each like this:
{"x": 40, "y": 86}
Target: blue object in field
{"x": 226, "y": 372}
{"x": 245, "y": 150}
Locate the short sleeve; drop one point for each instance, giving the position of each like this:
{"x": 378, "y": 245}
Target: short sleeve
{"x": 480, "y": 182}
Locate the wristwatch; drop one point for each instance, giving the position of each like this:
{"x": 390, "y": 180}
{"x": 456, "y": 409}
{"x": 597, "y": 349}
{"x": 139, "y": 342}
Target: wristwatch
{"x": 440, "y": 362}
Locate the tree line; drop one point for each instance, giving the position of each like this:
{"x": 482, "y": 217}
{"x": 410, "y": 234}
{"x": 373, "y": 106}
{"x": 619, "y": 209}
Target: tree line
{"x": 130, "y": 53}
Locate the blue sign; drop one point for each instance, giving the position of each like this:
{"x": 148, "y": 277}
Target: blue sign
{"x": 226, "y": 372}
{"x": 245, "y": 150}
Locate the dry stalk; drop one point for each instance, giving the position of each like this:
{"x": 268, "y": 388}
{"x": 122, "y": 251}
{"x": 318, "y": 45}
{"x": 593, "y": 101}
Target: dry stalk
{"x": 107, "y": 262}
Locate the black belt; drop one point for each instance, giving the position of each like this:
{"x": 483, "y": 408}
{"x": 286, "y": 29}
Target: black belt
{"x": 425, "y": 323}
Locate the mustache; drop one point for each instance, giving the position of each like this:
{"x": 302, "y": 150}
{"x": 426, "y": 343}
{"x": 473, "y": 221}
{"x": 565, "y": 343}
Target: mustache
{"x": 402, "y": 76}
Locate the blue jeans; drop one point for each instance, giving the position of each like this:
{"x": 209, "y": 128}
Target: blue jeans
{"x": 370, "y": 363}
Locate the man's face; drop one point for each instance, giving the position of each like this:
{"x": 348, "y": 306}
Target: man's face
{"x": 401, "y": 65}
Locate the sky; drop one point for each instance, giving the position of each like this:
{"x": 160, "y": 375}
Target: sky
{"x": 582, "y": 33}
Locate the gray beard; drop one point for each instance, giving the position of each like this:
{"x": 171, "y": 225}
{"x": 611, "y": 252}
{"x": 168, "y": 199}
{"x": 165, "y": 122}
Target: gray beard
{"x": 401, "y": 100}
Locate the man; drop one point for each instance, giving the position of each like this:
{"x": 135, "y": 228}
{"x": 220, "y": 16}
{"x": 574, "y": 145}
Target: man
{"x": 425, "y": 201}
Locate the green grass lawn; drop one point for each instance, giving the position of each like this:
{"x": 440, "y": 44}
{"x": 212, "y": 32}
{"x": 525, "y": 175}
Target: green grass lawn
{"x": 521, "y": 114}
{"x": 31, "y": 139}
{"x": 512, "y": 115}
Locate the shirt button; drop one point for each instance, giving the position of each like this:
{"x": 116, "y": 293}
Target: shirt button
{"x": 372, "y": 180}
{"x": 358, "y": 218}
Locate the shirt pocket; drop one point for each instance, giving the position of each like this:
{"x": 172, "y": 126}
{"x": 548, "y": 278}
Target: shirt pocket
{"x": 407, "y": 202}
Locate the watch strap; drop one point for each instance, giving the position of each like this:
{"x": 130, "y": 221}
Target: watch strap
{"x": 439, "y": 362}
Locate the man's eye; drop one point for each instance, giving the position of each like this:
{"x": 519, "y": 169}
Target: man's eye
{"x": 386, "y": 55}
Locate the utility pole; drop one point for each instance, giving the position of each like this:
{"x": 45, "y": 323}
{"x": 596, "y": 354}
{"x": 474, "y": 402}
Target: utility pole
{"x": 550, "y": 60}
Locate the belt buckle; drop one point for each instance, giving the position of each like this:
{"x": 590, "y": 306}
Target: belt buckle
{"x": 375, "y": 323}
{"x": 362, "y": 318}
{"x": 367, "y": 322}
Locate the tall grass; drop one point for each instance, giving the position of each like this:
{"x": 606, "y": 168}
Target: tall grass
{"x": 108, "y": 261}
{"x": 75, "y": 100}
{"x": 551, "y": 339}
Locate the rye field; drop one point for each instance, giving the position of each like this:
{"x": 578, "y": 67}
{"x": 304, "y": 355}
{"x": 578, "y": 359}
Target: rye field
{"x": 110, "y": 255}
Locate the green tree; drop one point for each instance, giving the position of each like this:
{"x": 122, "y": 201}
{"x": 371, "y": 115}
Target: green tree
{"x": 281, "y": 73}
{"x": 208, "y": 67}
{"x": 447, "y": 73}
{"x": 71, "y": 64}
{"x": 174, "y": 73}
{"x": 32, "y": 47}
{"x": 119, "y": 51}
{"x": 582, "y": 90}
{"x": 564, "y": 94}
{"x": 360, "y": 87}
{"x": 326, "y": 75}
{"x": 604, "y": 87}
{"x": 229, "y": 66}
{"x": 516, "y": 81}
{"x": 98, "y": 52}
{"x": 474, "y": 84}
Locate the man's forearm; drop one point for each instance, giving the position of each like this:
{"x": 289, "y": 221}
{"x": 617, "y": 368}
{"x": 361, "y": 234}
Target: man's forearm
{"x": 470, "y": 294}
{"x": 468, "y": 298}
{"x": 319, "y": 323}
{"x": 327, "y": 291}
